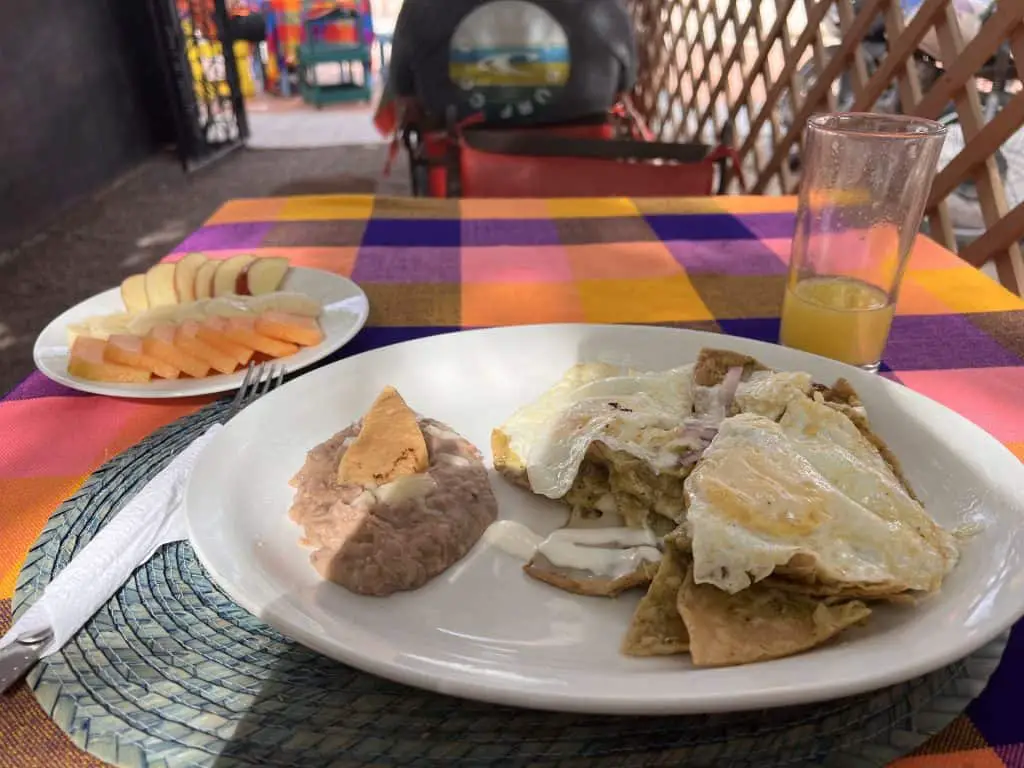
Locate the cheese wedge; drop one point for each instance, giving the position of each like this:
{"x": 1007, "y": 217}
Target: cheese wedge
{"x": 304, "y": 331}
{"x": 86, "y": 361}
{"x": 390, "y": 444}
{"x": 160, "y": 344}
{"x": 242, "y": 330}
{"x": 186, "y": 339}
{"x": 124, "y": 349}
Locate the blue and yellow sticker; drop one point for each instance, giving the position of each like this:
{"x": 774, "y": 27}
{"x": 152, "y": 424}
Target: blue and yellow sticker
{"x": 510, "y": 58}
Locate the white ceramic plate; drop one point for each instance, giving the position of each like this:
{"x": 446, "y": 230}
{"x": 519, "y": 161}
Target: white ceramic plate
{"x": 485, "y": 630}
{"x": 345, "y": 311}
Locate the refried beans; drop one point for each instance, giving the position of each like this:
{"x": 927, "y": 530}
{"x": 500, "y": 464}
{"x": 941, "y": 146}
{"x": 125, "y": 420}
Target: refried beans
{"x": 375, "y": 541}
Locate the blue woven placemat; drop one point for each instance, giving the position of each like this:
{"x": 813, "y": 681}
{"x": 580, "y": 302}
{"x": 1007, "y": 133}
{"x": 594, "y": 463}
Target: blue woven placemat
{"x": 172, "y": 673}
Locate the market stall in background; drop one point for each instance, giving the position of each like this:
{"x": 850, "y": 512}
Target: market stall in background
{"x": 321, "y": 50}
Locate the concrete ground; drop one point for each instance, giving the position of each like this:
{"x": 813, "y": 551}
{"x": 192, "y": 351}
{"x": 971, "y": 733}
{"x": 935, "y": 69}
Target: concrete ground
{"x": 136, "y": 221}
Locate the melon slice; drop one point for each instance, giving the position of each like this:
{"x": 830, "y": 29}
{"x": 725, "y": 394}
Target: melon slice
{"x": 160, "y": 344}
{"x": 125, "y": 349}
{"x": 304, "y": 331}
{"x": 243, "y": 331}
{"x": 212, "y": 332}
{"x": 226, "y": 306}
{"x": 86, "y": 361}
{"x": 286, "y": 301}
{"x": 185, "y": 339}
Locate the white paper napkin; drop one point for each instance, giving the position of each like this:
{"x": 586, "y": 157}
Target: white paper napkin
{"x": 156, "y": 516}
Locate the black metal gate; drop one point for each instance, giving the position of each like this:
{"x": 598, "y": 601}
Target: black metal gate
{"x": 202, "y": 78}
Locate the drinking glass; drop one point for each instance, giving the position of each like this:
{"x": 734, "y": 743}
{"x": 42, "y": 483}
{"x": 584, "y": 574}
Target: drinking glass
{"x": 866, "y": 179}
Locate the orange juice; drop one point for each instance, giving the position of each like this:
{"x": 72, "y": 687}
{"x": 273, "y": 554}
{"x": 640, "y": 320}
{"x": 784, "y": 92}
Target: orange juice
{"x": 838, "y": 317}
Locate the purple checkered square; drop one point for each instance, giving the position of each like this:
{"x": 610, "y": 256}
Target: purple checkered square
{"x": 995, "y": 712}
{"x": 222, "y": 236}
{"x": 521, "y": 232}
{"x": 37, "y": 385}
{"x": 934, "y": 342}
{"x": 729, "y": 257}
{"x": 700, "y": 226}
{"x": 440, "y": 233}
{"x": 768, "y": 226}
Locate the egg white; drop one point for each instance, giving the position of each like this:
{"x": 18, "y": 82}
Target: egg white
{"x": 811, "y": 485}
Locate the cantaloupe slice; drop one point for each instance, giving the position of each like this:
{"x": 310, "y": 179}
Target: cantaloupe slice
{"x": 185, "y": 339}
{"x": 160, "y": 344}
{"x": 304, "y": 331}
{"x": 124, "y": 349}
{"x": 212, "y": 332}
{"x": 86, "y": 361}
{"x": 243, "y": 331}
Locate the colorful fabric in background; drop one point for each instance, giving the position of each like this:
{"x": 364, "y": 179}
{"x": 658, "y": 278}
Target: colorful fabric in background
{"x": 285, "y": 33}
{"x": 436, "y": 266}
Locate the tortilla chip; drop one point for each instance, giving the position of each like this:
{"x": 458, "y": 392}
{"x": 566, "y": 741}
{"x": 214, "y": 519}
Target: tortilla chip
{"x": 506, "y": 462}
{"x": 759, "y": 623}
{"x": 801, "y": 575}
{"x": 657, "y": 629}
{"x": 840, "y": 393}
{"x": 585, "y": 583}
{"x": 389, "y": 445}
{"x": 833, "y": 593}
{"x": 713, "y": 364}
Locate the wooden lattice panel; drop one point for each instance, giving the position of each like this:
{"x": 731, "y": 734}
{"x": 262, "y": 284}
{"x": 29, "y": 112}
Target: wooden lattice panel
{"x": 752, "y": 71}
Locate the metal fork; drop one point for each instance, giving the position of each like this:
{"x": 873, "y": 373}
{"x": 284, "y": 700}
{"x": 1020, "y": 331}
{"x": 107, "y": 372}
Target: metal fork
{"x": 259, "y": 379}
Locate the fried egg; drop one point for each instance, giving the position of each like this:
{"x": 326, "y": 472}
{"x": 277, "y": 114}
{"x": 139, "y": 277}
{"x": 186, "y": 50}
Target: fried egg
{"x": 809, "y": 487}
{"x": 650, "y": 415}
{"x": 640, "y": 413}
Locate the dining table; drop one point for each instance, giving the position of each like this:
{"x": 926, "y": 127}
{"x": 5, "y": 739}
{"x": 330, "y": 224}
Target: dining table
{"x": 435, "y": 266}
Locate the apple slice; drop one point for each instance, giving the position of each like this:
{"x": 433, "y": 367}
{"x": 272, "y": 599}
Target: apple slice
{"x": 263, "y": 276}
{"x": 204, "y": 279}
{"x": 160, "y": 289}
{"x": 133, "y": 293}
{"x": 225, "y": 279}
{"x": 185, "y": 276}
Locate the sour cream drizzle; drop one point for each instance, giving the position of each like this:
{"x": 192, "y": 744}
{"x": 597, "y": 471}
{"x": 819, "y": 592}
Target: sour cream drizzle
{"x": 608, "y": 552}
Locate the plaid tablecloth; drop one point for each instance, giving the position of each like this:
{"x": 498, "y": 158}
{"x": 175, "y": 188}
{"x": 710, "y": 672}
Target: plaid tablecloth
{"x": 441, "y": 265}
